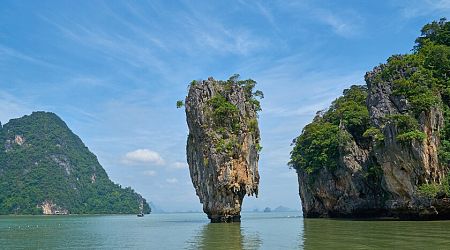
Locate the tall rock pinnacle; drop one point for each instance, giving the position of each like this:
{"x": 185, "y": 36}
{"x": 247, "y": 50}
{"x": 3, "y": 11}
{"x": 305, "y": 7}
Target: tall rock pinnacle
{"x": 223, "y": 144}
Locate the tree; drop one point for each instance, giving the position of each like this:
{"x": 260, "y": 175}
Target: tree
{"x": 180, "y": 104}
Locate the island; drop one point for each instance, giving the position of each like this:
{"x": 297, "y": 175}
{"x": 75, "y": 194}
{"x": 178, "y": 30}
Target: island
{"x": 383, "y": 149}
{"x": 46, "y": 169}
{"x": 223, "y": 144}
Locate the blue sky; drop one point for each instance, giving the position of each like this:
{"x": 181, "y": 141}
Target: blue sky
{"x": 113, "y": 71}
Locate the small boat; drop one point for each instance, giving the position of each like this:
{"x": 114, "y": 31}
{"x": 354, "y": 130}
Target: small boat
{"x": 140, "y": 215}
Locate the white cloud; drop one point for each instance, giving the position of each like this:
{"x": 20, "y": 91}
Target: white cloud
{"x": 143, "y": 156}
{"x": 180, "y": 165}
{"x": 172, "y": 180}
{"x": 149, "y": 173}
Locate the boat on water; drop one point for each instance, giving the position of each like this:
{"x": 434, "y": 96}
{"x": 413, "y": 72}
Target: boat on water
{"x": 140, "y": 215}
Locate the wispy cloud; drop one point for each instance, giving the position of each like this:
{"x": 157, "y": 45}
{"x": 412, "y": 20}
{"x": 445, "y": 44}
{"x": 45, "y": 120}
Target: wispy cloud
{"x": 7, "y": 53}
{"x": 222, "y": 40}
{"x": 346, "y": 26}
{"x": 343, "y": 22}
{"x": 137, "y": 53}
{"x": 416, "y": 8}
{"x": 263, "y": 10}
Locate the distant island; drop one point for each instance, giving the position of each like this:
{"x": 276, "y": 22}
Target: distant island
{"x": 383, "y": 149}
{"x": 46, "y": 169}
{"x": 279, "y": 209}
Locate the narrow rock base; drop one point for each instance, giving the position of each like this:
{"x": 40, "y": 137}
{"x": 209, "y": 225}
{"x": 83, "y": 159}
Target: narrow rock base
{"x": 224, "y": 218}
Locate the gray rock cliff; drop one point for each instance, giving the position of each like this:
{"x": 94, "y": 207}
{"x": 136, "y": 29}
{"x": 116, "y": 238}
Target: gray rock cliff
{"x": 223, "y": 145}
{"x": 378, "y": 179}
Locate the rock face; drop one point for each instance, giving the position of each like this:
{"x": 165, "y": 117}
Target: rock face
{"x": 378, "y": 179}
{"x": 48, "y": 208}
{"x": 223, "y": 145}
{"x": 388, "y": 152}
{"x": 347, "y": 191}
{"x": 405, "y": 166}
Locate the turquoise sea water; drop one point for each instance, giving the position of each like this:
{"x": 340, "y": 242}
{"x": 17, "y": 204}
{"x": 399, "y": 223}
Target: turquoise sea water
{"x": 193, "y": 231}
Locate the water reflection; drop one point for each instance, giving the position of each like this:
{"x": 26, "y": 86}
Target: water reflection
{"x": 359, "y": 234}
{"x": 225, "y": 236}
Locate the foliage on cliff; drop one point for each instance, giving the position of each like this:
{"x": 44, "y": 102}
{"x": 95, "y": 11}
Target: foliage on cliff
{"x": 42, "y": 160}
{"x": 423, "y": 78}
{"x": 426, "y": 80}
{"x": 318, "y": 145}
{"x": 225, "y": 116}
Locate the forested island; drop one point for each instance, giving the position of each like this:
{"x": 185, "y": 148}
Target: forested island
{"x": 383, "y": 149}
{"x": 46, "y": 169}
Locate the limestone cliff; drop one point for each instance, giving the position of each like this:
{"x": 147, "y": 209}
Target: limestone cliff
{"x": 384, "y": 151}
{"x": 223, "y": 144}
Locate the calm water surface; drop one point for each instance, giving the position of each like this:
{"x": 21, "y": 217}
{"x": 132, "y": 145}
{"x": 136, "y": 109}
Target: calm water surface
{"x": 192, "y": 231}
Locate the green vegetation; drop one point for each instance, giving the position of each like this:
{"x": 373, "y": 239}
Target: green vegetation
{"x": 258, "y": 147}
{"x": 429, "y": 190}
{"x": 436, "y": 32}
{"x": 375, "y": 172}
{"x": 53, "y": 164}
{"x": 318, "y": 145}
{"x": 350, "y": 110}
{"x": 253, "y": 125}
{"x": 180, "y": 104}
{"x": 408, "y": 128}
{"x": 422, "y": 78}
{"x": 193, "y": 83}
{"x": 414, "y": 135}
{"x": 225, "y": 115}
{"x": 248, "y": 86}
{"x": 433, "y": 189}
{"x": 374, "y": 133}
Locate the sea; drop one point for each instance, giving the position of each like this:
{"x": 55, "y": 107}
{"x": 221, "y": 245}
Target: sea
{"x": 257, "y": 230}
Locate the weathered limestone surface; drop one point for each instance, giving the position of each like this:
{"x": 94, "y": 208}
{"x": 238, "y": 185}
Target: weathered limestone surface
{"x": 223, "y": 162}
{"x": 49, "y": 208}
{"x": 353, "y": 190}
{"x": 347, "y": 191}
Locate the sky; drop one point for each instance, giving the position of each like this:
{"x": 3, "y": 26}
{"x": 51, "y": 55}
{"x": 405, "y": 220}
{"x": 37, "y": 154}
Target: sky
{"x": 113, "y": 71}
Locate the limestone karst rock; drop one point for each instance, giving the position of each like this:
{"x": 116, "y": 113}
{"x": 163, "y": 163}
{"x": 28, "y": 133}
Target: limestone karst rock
{"x": 384, "y": 149}
{"x": 223, "y": 144}
{"x": 46, "y": 169}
